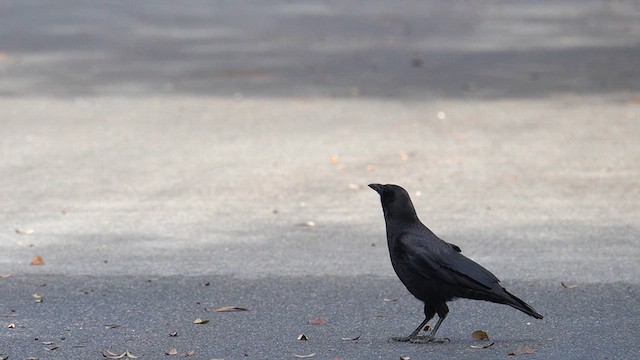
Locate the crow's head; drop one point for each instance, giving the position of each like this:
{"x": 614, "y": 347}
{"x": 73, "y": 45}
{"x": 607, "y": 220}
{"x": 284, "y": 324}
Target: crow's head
{"x": 396, "y": 203}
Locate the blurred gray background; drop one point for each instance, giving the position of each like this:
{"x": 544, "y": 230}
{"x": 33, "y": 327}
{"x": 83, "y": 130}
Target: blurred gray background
{"x": 149, "y": 148}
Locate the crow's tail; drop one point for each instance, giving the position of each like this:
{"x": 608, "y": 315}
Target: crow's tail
{"x": 517, "y": 303}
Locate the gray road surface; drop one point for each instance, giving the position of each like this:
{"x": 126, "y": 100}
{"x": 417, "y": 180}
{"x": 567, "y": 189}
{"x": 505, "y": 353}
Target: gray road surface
{"x": 167, "y": 158}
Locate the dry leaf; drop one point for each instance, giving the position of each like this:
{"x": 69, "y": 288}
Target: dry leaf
{"x": 25, "y": 231}
{"x": 304, "y": 356}
{"x": 230, "y": 308}
{"x": 482, "y": 346}
{"x": 190, "y": 353}
{"x": 480, "y": 335}
{"x": 111, "y": 355}
{"x": 38, "y": 297}
{"x": 37, "y": 260}
{"x": 172, "y": 351}
{"x": 317, "y": 321}
{"x": 524, "y": 350}
{"x": 129, "y": 355}
{"x": 633, "y": 100}
{"x": 302, "y": 337}
{"x": 390, "y": 300}
{"x": 200, "y": 321}
{"x": 11, "y": 326}
{"x": 351, "y": 338}
{"x": 567, "y": 285}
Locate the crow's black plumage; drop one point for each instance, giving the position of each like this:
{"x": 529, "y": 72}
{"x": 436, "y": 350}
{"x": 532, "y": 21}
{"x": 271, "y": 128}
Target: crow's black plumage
{"x": 433, "y": 270}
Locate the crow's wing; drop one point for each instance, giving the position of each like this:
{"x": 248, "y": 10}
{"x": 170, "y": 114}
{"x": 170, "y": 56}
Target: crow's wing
{"x": 455, "y": 247}
{"x": 436, "y": 259}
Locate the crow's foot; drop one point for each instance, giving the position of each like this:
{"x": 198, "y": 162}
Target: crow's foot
{"x": 428, "y": 339}
{"x": 401, "y": 338}
{"x": 420, "y": 339}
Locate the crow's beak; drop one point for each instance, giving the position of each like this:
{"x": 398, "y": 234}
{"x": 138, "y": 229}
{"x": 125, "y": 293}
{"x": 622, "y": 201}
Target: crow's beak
{"x": 377, "y": 187}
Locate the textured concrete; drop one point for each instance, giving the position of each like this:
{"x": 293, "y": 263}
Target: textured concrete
{"x": 149, "y": 148}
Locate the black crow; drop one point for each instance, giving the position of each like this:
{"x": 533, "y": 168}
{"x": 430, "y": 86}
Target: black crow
{"x": 433, "y": 270}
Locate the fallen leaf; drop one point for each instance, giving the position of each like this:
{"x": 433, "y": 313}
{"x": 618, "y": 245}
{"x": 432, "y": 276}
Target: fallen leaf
{"x": 567, "y": 285}
{"x": 230, "y": 308}
{"x": 172, "y": 351}
{"x": 482, "y": 346}
{"x": 304, "y": 356}
{"x": 173, "y": 334}
{"x": 199, "y": 321}
{"x": 11, "y": 326}
{"x": 302, "y": 337}
{"x": 633, "y": 100}
{"x": 5, "y": 276}
{"x": 390, "y": 300}
{"x": 38, "y": 297}
{"x": 25, "y": 231}
{"x": 524, "y": 350}
{"x": 37, "y": 260}
{"x": 130, "y": 355}
{"x": 111, "y": 355}
{"x": 351, "y": 338}
{"x": 317, "y": 321}
{"x": 190, "y": 353}
{"x": 480, "y": 335}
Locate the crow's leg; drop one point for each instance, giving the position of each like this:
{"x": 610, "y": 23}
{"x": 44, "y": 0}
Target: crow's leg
{"x": 429, "y": 313}
{"x": 443, "y": 311}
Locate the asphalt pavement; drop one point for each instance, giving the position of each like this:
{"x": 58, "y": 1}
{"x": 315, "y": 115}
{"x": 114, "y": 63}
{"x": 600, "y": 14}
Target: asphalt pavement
{"x": 167, "y": 159}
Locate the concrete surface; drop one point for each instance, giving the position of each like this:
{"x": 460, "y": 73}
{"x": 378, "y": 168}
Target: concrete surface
{"x": 149, "y": 148}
